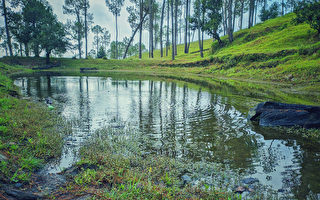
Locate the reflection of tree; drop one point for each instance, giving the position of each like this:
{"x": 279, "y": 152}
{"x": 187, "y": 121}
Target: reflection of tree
{"x": 303, "y": 177}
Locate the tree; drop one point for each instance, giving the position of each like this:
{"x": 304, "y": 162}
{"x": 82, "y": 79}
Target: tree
{"x": 161, "y": 27}
{"x": 131, "y": 39}
{"x": 88, "y": 17}
{"x": 75, "y": 7}
{"x": 105, "y": 38}
{"x": 151, "y": 14}
{"x": 115, "y": 8}
{"x": 172, "y": 31}
{"x": 270, "y": 13}
{"x": 21, "y": 31}
{"x": 251, "y": 13}
{"x": 97, "y": 30}
{"x": 197, "y": 21}
{"x": 137, "y": 15}
{"x": 52, "y": 35}
{"x": 308, "y": 11}
{"x": 186, "y": 49}
{"x": 101, "y": 53}
{"x": 5, "y": 15}
{"x": 213, "y": 18}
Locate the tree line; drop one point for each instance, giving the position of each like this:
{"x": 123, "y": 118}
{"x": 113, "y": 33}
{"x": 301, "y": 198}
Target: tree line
{"x": 31, "y": 25}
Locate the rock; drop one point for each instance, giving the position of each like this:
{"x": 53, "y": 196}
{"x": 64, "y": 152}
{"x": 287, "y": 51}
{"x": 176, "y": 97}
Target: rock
{"x": 240, "y": 190}
{"x": 48, "y": 101}
{"x": 249, "y": 181}
{"x": 18, "y": 185}
{"x": 186, "y": 179}
{"x": 280, "y": 114}
{"x": 3, "y": 157}
{"x": 21, "y": 195}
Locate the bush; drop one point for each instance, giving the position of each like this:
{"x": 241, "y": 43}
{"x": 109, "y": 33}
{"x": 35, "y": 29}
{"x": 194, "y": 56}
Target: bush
{"x": 101, "y": 53}
{"x": 270, "y": 13}
{"x": 308, "y": 11}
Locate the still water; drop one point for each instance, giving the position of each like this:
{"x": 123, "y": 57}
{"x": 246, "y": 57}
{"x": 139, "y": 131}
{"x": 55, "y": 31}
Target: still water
{"x": 182, "y": 122}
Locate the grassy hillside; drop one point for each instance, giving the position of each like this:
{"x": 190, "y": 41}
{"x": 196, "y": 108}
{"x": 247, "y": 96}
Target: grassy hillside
{"x": 274, "y": 50}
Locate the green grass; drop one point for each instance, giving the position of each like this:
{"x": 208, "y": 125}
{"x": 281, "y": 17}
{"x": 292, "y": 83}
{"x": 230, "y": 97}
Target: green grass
{"x": 29, "y": 135}
{"x": 277, "y": 50}
{"x": 113, "y": 165}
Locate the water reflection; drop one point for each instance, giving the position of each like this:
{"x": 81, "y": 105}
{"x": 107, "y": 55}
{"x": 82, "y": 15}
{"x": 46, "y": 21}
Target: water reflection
{"x": 180, "y": 122}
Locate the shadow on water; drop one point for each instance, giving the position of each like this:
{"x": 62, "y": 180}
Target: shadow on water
{"x": 186, "y": 121}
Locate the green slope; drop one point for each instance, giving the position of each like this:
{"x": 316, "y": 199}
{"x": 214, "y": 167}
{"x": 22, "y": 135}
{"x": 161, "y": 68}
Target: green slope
{"x": 274, "y": 50}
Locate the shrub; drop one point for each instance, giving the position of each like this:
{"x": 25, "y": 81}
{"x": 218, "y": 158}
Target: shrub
{"x": 308, "y": 11}
{"x": 270, "y": 13}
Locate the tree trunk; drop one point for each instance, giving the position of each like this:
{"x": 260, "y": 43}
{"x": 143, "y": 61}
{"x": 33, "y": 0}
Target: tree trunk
{"x": 117, "y": 55}
{"x": 150, "y": 29}
{"x": 134, "y": 33}
{"x": 191, "y": 39}
{"x": 230, "y": 31}
{"x": 217, "y": 37}
{"x": 251, "y": 13}
{"x": 97, "y": 45}
{"x": 79, "y": 34}
{"x": 225, "y": 19}
{"x": 172, "y": 31}
{"x": 140, "y": 31}
{"x": 36, "y": 50}
{"x": 241, "y": 15}
{"x": 234, "y": 15}
{"x": 86, "y": 26}
{"x": 26, "y": 49}
{"x": 161, "y": 28}
{"x": 20, "y": 49}
{"x": 155, "y": 33}
{"x": 48, "y": 58}
{"x": 175, "y": 27}
{"x": 186, "y": 50}
{"x": 199, "y": 36}
{"x": 168, "y": 25}
{"x": 255, "y": 12}
{"x": 7, "y": 26}
{"x": 282, "y": 7}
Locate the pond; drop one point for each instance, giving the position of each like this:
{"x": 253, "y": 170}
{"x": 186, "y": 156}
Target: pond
{"x": 181, "y": 120}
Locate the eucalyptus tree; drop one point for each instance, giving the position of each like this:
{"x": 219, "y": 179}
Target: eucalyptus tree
{"x": 115, "y": 8}
{"x": 75, "y": 7}
{"x": 197, "y": 21}
{"x": 136, "y": 23}
{"x": 172, "y": 31}
{"x": 151, "y": 15}
{"x": 3, "y": 42}
{"x": 187, "y": 16}
{"x": 97, "y": 30}
{"x": 168, "y": 25}
{"x": 6, "y": 23}
{"x": 251, "y": 13}
{"x": 213, "y": 18}
{"x": 137, "y": 15}
{"x": 88, "y": 19}
{"x": 161, "y": 26}
{"x": 105, "y": 38}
